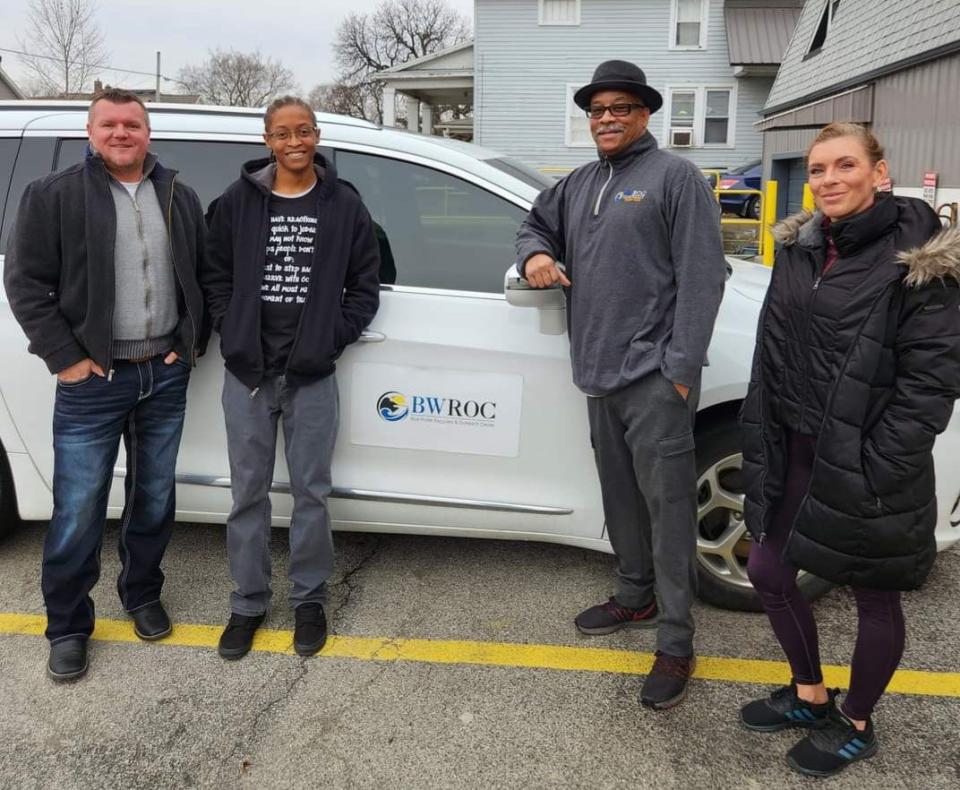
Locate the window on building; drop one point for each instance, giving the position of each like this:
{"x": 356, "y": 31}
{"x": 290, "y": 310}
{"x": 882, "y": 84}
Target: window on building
{"x": 688, "y": 25}
{"x": 559, "y": 12}
{"x": 716, "y": 122}
{"x": 700, "y": 116}
{"x": 683, "y": 109}
{"x": 823, "y": 27}
{"x": 578, "y": 126}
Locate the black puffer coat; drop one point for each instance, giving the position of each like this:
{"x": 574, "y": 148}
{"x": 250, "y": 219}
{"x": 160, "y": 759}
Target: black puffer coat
{"x": 865, "y": 358}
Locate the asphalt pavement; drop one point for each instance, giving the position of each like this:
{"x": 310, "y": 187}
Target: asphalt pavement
{"x": 454, "y": 669}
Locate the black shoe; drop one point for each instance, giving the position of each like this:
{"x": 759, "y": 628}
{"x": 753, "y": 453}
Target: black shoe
{"x": 831, "y": 748}
{"x": 605, "y": 618}
{"x": 68, "y": 659}
{"x": 151, "y": 622}
{"x": 310, "y": 632}
{"x": 784, "y": 709}
{"x": 237, "y": 638}
{"x": 666, "y": 685}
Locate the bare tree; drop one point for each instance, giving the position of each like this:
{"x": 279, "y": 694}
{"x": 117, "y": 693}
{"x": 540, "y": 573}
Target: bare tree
{"x": 397, "y": 31}
{"x": 240, "y": 79}
{"x": 65, "y": 45}
{"x": 340, "y": 98}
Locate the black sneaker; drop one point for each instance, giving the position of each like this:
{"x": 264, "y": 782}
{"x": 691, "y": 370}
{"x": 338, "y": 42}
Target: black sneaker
{"x": 237, "y": 638}
{"x": 784, "y": 709}
{"x": 310, "y": 631}
{"x": 831, "y": 748}
{"x": 605, "y": 618}
{"x": 666, "y": 685}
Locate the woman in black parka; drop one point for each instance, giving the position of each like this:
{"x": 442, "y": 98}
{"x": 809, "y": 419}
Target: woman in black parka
{"x": 856, "y": 370}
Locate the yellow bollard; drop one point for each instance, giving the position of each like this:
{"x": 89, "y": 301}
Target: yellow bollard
{"x": 808, "y": 204}
{"x": 769, "y": 220}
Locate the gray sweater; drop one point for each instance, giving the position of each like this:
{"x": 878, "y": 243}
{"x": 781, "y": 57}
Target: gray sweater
{"x": 639, "y": 234}
{"x": 145, "y": 310}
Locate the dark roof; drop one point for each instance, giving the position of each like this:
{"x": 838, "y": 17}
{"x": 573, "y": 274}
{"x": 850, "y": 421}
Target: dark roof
{"x": 866, "y": 39}
{"x": 758, "y": 34}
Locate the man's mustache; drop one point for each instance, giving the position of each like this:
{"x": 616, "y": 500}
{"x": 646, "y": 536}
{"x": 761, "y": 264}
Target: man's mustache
{"x": 609, "y": 127}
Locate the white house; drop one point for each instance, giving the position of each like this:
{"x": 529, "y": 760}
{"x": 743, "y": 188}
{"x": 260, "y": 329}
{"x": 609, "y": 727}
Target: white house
{"x": 714, "y": 61}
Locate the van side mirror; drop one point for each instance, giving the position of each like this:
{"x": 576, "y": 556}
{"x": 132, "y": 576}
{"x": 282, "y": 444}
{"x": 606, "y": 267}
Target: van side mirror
{"x": 549, "y": 301}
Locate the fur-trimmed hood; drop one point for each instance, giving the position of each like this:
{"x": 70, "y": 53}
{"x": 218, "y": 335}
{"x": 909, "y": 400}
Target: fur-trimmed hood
{"x": 787, "y": 230}
{"x": 936, "y": 259}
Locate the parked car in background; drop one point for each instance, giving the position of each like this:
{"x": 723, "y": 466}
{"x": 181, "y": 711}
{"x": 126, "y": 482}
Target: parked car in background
{"x": 746, "y": 176}
{"x": 458, "y": 415}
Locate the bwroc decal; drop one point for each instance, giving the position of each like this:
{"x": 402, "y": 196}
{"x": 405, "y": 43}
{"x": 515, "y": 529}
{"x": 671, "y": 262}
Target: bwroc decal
{"x": 393, "y": 406}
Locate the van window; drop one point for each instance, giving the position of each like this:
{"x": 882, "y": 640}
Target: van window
{"x": 207, "y": 166}
{"x": 8, "y": 155}
{"x": 34, "y": 160}
{"x": 441, "y": 231}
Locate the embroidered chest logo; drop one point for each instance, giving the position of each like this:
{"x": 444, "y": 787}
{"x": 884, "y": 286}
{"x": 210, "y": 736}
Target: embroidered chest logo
{"x": 631, "y": 196}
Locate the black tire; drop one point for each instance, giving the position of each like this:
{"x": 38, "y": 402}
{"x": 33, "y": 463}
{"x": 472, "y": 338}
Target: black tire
{"x": 751, "y": 209}
{"x": 723, "y": 544}
{"x": 9, "y": 518}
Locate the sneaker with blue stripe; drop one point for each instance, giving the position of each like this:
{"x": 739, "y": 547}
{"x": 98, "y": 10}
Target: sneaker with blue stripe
{"x": 831, "y": 748}
{"x": 784, "y": 709}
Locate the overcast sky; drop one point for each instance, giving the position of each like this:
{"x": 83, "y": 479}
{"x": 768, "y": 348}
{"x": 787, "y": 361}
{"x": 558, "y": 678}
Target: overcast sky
{"x": 297, "y": 33}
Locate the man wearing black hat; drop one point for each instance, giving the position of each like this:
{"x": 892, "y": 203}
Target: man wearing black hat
{"x": 638, "y": 233}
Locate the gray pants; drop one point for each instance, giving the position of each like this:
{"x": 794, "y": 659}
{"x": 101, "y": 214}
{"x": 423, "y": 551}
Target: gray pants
{"x": 310, "y": 416}
{"x": 642, "y": 437}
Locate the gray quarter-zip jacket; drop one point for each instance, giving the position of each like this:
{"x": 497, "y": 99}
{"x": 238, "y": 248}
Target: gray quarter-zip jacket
{"x": 639, "y": 234}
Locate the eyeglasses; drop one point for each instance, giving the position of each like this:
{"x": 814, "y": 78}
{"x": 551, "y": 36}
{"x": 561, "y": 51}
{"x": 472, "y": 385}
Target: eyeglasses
{"x": 282, "y": 135}
{"x": 616, "y": 110}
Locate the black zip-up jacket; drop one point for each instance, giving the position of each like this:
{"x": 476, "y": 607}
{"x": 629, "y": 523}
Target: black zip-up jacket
{"x": 59, "y": 268}
{"x": 866, "y": 358}
{"x": 344, "y": 291}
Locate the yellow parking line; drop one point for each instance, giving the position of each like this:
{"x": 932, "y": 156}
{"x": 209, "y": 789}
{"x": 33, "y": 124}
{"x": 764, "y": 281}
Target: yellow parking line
{"x": 501, "y": 654}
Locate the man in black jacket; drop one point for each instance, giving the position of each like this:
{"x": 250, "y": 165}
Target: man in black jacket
{"x": 102, "y": 276}
{"x": 292, "y": 280}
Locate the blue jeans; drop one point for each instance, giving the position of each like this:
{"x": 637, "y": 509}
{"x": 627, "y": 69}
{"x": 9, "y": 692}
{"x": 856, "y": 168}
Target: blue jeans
{"x": 144, "y": 404}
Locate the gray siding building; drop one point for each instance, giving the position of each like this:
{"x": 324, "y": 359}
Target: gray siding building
{"x": 714, "y": 61}
{"x": 894, "y": 66}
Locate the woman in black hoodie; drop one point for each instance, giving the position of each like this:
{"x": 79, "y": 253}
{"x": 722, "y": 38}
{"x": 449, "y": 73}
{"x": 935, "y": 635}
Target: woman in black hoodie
{"x": 855, "y": 372}
{"x": 290, "y": 281}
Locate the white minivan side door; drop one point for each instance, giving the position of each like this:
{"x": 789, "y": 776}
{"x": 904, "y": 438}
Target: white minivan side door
{"x": 457, "y": 414}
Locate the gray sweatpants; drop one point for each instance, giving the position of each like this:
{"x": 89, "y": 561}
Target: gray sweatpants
{"x": 642, "y": 437}
{"x": 310, "y": 416}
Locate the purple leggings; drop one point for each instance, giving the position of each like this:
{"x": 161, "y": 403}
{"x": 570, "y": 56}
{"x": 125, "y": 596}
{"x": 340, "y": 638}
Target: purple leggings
{"x": 880, "y": 630}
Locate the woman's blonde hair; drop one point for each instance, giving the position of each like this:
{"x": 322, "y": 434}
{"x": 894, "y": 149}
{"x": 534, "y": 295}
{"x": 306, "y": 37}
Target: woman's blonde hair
{"x": 845, "y": 129}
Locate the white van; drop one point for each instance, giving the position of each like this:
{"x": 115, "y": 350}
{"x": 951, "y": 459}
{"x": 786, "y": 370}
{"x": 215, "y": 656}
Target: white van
{"x": 452, "y": 397}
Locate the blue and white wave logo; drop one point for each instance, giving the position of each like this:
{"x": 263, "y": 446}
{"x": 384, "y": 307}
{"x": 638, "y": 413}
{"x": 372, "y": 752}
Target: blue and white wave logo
{"x": 392, "y": 406}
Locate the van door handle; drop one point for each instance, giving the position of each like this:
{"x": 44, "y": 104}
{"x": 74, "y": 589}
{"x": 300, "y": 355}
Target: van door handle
{"x": 372, "y": 337}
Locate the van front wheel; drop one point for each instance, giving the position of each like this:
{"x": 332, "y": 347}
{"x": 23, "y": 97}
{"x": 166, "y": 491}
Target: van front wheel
{"x": 723, "y": 542}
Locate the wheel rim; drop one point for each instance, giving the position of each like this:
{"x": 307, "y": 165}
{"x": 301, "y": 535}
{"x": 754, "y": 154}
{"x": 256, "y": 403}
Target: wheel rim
{"x": 723, "y": 543}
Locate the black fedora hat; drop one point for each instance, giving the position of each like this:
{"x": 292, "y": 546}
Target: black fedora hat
{"x": 614, "y": 75}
